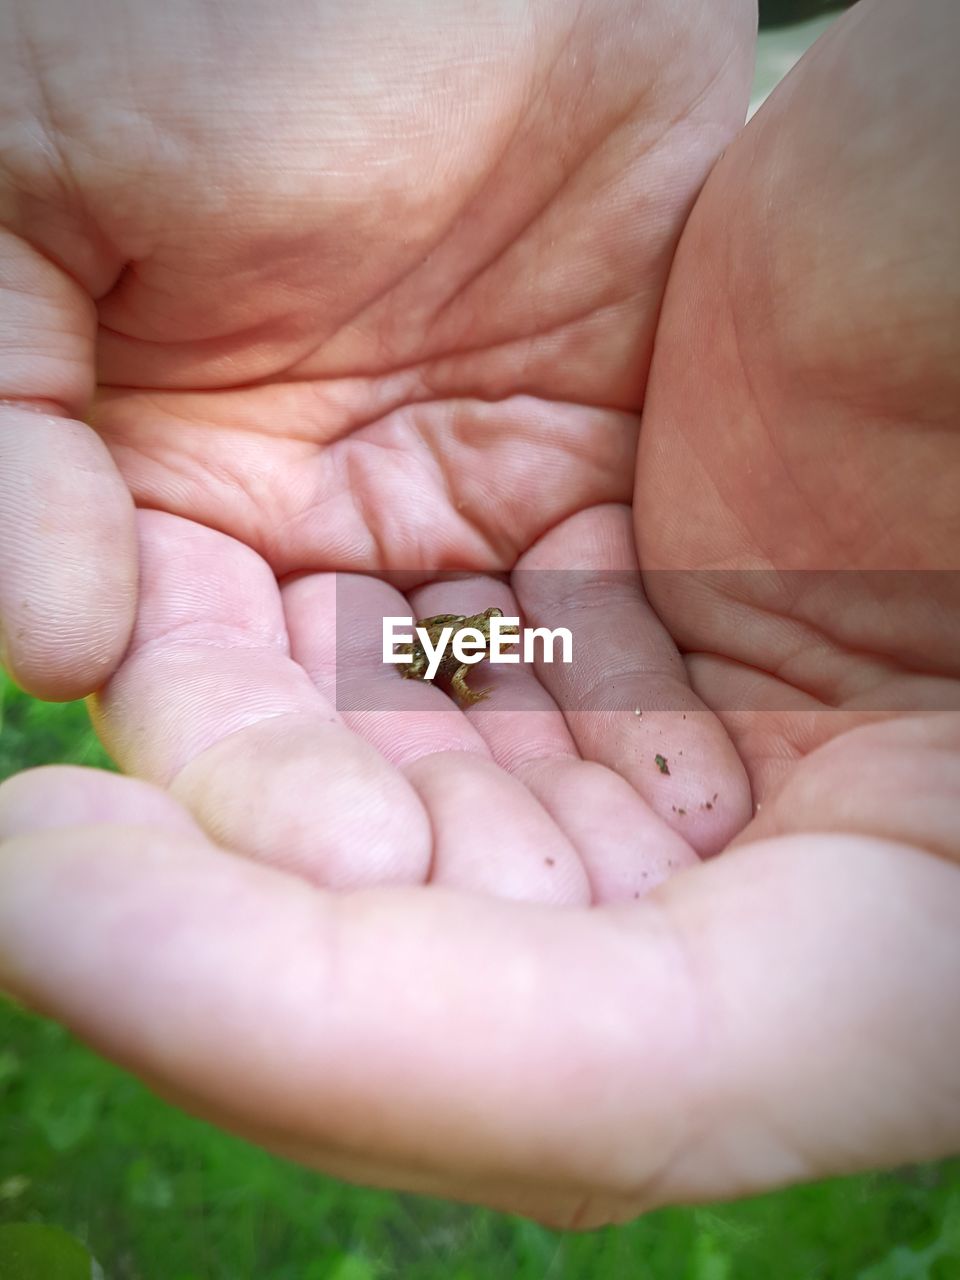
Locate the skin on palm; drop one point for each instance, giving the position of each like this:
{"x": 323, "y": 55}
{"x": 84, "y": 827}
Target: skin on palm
{"x": 246, "y": 763}
{"x": 341, "y": 398}
{"x": 826, "y": 319}
{"x": 575, "y": 1066}
{"x": 775, "y": 1015}
{"x": 394, "y": 339}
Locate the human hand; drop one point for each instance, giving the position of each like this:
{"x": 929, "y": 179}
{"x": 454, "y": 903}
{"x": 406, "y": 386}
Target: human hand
{"x": 384, "y": 333}
{"x": 770, "y": 1016}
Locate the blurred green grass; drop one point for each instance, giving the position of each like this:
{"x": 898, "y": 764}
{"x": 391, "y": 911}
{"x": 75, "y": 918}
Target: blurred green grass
{"x": 158, "y": 1195}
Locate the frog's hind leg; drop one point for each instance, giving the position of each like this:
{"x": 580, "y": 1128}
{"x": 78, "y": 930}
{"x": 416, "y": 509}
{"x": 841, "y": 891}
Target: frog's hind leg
{"x": 463, "y": 691}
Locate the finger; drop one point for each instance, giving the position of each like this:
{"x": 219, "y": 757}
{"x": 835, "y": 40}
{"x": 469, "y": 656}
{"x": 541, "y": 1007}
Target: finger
{"x": 68, "y": 561}
{"x": 845, "y": 785}
{"x": 492, "y": 836}
{"x": 626, "y": 850}
{"x": 335, "y": 623}
{"x": 489, "y": 834}
{"x": 57, "y": 796}
{"x": 772, "y": 1015}
{"x": 209, "y": 703}
{"x": 517, "y": 715}
{"x": 775, "y": 720}
{"x": 625, "y": 695}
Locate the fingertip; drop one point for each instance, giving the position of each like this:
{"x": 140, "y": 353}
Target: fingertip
{"x": 68, "y": 554}
{"x": 55, "y": 796}
{"x": 492, "y": 836}
{"x": 311, "y": 798}
{"x": 61, "y": 672}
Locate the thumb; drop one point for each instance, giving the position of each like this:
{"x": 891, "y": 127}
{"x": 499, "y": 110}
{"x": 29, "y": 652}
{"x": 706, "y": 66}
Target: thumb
{"x": 67, "y": 536}
{"x": 780, "y": 1013}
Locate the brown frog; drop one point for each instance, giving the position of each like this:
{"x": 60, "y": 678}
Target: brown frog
{"x": 450, "y": 667}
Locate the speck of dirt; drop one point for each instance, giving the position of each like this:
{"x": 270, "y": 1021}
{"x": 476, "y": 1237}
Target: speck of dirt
{"x": 645, "y": 874}
{"x": 684, "y": 716}
{"x": 708, "y": 805}
{"x": 661, "y": 763}
{"x": 682, "y": 813}
{"x": 637, "y": 894}
{"x": 551, "y": 862}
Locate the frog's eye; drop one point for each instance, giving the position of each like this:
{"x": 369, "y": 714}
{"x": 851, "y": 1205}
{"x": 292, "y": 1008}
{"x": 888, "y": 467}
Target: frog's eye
{"x": 494, "y": 613}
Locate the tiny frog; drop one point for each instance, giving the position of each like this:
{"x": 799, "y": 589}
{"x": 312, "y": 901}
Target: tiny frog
{"x": 450, "y": 667}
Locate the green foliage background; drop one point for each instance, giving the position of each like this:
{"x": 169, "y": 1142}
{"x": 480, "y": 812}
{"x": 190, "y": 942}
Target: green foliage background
{"x": 158, "y": 1195}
